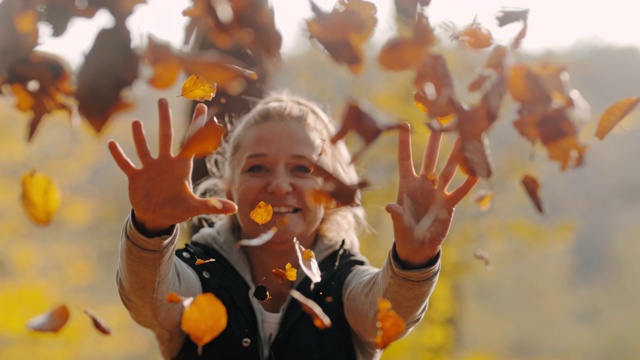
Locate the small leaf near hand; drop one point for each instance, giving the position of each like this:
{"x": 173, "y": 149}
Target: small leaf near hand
{"x": 390, "y": 325}
{"x": 262, "y": 213}
{"x": 40, "y": 197}
{"x": 204, "y": 141}
{"x": 288, "y": 274}
{"x": 198, "y": 89}
{"x": 51, "y": 321}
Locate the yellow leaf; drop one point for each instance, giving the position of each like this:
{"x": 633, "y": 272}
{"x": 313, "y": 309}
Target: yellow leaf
{"x": 291, "y": 272}
{"x": 308, "y": 254}
{"x": 390, "y": 325}
{"x": 614, "y": 114}
{"x": 198, "y": 89}
{"x": 262, "y": 213}
{"x": 24, "y": 99}
{"x": 204, "y": 319}
{"x": 483, "y": 199}
{"x": 40, "y": 197}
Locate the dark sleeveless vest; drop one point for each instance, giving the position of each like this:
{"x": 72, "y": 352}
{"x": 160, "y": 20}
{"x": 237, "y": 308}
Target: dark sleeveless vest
{"x": 297, "y": 337}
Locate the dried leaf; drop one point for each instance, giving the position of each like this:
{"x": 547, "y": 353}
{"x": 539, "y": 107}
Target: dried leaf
{"x": 51, "y": 321}
{"x": 261, "y": 293}
{"x": 532, "y": 187}
{"x": 474, "y": 157}
{"x": 390, "y": 325}
{"x": 40, "y": 197}
{"x": 343, "y": 31}
{"x": 527, "y": 87}
{"x": 228, "y": 73}
{"x": 262, "y": 213}
{"x": 403, "y": 53}
{"x": 614, "y": 114}
{"x": 308, "y": 262}
{"x": 98, "y": 322}
{"x": 204, "y": 319}
{"x": 201, "y": 261}
{"x": 198, "y": 89}
{"x": 308, "y": 254}
{"x": 483, "y": 198}
{"x": 165, "y": 63}
{"x": 260, "y": 240}
{"x": 506, "y": 17}
{"x": 334, "y": 193}
{"x": 173, "y": 297}
{"x": 483, "y": 255}
{"x": 289, "y": 273}
{"x": 204, "y": 140}
{"x": 475, "y": 36}
{"x": 109, "y": 67}
{"x": 435, "y": 87}
{"x": 320, "y": 319}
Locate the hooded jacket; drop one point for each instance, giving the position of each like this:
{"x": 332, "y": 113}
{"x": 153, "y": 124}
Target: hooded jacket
{"x": 149, "y": 270}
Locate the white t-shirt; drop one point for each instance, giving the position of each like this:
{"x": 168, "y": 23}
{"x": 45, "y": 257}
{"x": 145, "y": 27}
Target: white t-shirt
{"x": 270, "y": 324}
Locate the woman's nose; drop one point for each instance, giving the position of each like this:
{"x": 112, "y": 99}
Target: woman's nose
{"x": 280, "y": 183}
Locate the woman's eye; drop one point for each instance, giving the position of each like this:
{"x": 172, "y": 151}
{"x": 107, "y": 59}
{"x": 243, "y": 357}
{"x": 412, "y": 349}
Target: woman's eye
{"x": 256, "y": 169}
{"x": 303, "y": 169}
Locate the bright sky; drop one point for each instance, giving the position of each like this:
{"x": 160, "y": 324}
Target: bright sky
{"x": 552, "y": 23}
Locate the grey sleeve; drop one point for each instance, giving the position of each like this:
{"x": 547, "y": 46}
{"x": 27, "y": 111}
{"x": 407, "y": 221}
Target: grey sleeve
{"x": 147, "y": 272}
{"x": 407, "y": 290}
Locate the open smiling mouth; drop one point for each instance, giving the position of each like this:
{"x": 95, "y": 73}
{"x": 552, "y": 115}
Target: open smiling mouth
{"x": 285, "y": 210}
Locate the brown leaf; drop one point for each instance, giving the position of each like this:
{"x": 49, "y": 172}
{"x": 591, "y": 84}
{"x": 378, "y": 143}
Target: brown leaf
{"x": 403, "y": 53}
{"x": 614, "y": 114}
{"x": 51, "y": 321}
{"x": 475, "y": 36}
{"x": 109, "y": 67}
{"x": 98, "y": 322}
{"x": 58, "y": 13}
{"x": 435, "y": 87}
{"x": 227, "y": 73}
{"x": 506, "y": 17}
{"x": 334, "y": 193}
{"x": 527, "y": 87}
{"x": 320, "y": 319}
{"x": 344, "y": 30}
{"x": 18, "y": 32}
{"x": 203, "y": 141}
{"x": 474, "y": 158}
{"x": 165, "y": 63}
{"x": 532, "y": 187}
{"x": 357, "y": 120}
{"x": 406, "y": 10}
{"x": 390, "y": 325}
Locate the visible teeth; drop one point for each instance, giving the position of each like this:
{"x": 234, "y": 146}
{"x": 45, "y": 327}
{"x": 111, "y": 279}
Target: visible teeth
{"x": 282, "y": 209}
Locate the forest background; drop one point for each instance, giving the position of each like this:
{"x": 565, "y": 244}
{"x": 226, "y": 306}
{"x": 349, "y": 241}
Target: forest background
{"x": 562, "y": 284}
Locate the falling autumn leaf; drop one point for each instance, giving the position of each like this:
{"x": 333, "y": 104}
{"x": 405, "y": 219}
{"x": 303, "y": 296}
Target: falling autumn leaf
{"x": 475, "y": 36}
{"x": 334, "y": 193}
{"x": 614, "y": 113}
{"x": 204, "y": 319}
{"x": 198, "y": 89}
{"x": 51, "y": 321}
{"x": 98, "y": 322}
{"x": 260, "y": 240}
{"x": 40, "y": 197}
{"x": 509, "y": 16}
{"x": 435, "y": 87}
{"x": 483, "y": 198}
{"x": 261, "y": 293}
{"x": 226, "y": 72}
{"x": 262, "y": 213}
{"x": 532, "y": 187}
{"x": 165, "y": 63}
{"x": 173, "y": 297}
{"x": 308, "y": 262}
{"x": 204, "y": 140}
{"x": 201, "y": 261}
{"x": 390, "y": 325}
{"x": 483, "y": 255}
{"x": 289, "y": 273}
{"x": 320, "y": 319}
{"x": 403, "y": 53}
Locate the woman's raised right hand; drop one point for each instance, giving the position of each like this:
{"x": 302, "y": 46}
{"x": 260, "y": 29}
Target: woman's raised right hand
{"x": 160, "y": 191}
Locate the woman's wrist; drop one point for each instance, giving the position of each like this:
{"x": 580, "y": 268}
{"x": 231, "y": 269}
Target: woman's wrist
{"x": 150, "y": 230}
{"x": 414, "y": 265}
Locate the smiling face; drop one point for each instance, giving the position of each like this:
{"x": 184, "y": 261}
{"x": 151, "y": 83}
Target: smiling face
{"x": 273, "y": 164}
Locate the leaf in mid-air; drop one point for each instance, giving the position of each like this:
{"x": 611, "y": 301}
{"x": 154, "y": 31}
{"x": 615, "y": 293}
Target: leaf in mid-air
{"x": 390, "y": 325}
{"x": 319, "y": 317}
{"x": 198, "y": 89}
{"x": 165, "y": 63}
{"x": 475, "y": 36}
{"x": 204, "y": 319}
{"x": 532, "y": 187}
{"x": 614, "y": 113}
{"x": 51, "y": 321}
{"x": 307, "y": 262}
{"x": 262, "y": 213}
{"x": 40, "y": 197}
{"x": 204, "y": 140}
{"x": 98, "y": 322}
{"x": 288, "y": 274}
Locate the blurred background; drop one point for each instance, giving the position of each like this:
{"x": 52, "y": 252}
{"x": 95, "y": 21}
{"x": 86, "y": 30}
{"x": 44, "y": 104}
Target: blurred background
{"x": 560, "y": 285}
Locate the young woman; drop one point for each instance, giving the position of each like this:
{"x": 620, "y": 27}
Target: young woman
{"x": 270, "y": 156}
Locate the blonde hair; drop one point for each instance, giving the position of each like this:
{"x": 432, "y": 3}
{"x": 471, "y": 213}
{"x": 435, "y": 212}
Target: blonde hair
{"x": 337, "y": 224}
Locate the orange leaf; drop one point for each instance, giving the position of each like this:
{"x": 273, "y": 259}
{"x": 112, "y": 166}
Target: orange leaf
{"x": 320, "y": 319}
{"x": 475, "y": 36}
{"x": 40, "y": 197}
{"x": 262, "y": 213}
{"x": 406, "y": 52}
{"x": 51, "y": 321}
{"x": 228, "y": 73}
{"x": 166, "y": 65}
{"x": 198, "y": 89}
{"x": 532, "y": 187}
{"x": 334, "y": 193}
{"x": 289, "y": 273}
{"x": 483, "y": 199}
{"x": 435, "y": 87}
{"x": 474, "y": 157}
{"x": 200, "y": 261}
{"x": 203, "y": 141}
{"x": 173, "y": 297}
{"x": 98, "y": 322}
{"x": 204, "y": 319}
{"x": 390, "y": 325}
{"x": 308, "y": 254}
{"x": 614, "y": 113}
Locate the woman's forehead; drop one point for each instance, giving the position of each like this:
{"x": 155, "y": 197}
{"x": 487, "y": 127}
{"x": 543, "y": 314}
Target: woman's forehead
{"x": 277, "y": 137}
